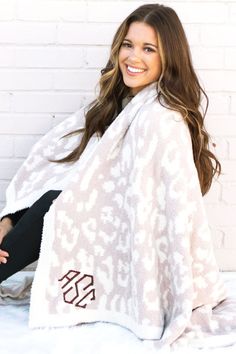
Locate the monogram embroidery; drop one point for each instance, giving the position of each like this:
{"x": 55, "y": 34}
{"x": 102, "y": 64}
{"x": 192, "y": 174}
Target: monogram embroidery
{"x": 78, "y": 288}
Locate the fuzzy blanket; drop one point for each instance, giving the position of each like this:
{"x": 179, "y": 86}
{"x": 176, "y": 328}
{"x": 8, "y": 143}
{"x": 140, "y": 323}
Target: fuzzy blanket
{"x": 106, "y": 337}
{"x": 127, "y": 241}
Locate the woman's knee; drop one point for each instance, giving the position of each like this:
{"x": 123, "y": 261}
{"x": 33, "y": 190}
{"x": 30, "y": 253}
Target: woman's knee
{"x": 49, "y": 196}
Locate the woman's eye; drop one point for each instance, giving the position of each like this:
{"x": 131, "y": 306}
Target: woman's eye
{"x": 148, "y": 49}
{"x": 127, "y": 45}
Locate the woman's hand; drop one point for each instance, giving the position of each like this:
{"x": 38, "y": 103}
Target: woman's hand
{"x": 5, "y": 227}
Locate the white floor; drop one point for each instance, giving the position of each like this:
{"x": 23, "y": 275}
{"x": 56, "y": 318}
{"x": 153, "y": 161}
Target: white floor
{"x": 97, "y": 338}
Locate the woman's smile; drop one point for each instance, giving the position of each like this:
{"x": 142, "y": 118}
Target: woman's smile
{"x": 133, "y": 71}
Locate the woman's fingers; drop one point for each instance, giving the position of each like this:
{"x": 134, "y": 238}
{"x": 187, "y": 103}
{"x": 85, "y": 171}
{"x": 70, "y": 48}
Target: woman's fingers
{"x": 4, "y": 253}
{"x": 5, "y": 227}
{"x": 3, "y": 256}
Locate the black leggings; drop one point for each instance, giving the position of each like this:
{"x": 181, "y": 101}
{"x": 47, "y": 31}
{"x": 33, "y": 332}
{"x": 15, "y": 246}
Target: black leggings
{"x": 23, "y": 242}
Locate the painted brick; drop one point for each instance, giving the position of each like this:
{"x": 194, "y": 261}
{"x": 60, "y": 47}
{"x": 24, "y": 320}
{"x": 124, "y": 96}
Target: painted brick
{"x": 218, "y": 103}
{"x": 6, "y": 145}
{"x": 7, "y": 56}
{"x": 192, "y": 32}
{"x": 26, "y": 80}
{"x": 223, "y": 125}
{"x": 189, "y": 12}
{"x": 198, "y": 12}
{"x": 208, "y": 58}
{"x": 232, "y": 12}
{"x": 109, "y": 11}
{"x": 86, "y": 33}
{"x": 88, "y": 98}
{"x": 9, "y": 167}
{"x": 26, "y": 33}
{"x": 44, "y": 57}
{"x": 51, "y": 10}
{"x": 97, "y": 57}
{"x": 46, "y": 102}
{"x": 226, "y": 259}
{"x": 230, "y": 58}
{"x": 229, "y": 193}
{"x": 58, "y": 118}
{"x": 233, "y": 103}
{"x": 229, "y": 238}
{"x": 218, "y": 35}
{"x": 221, "y": 150}
{"x": 23, "y": 145}
{"x": 214, "y": 193}
{"x": 3, "y": 187}
{"x": 24, "y": 124}
{"x": 5, "y": 101}
{"x": 232, "y": 147}
{"x": 218, "y": 81}
{"x": 76, "y": 80}
{"x": 221, "y": 214}
{"x": 228, "y": 171}
{"x": 217, "y": 236}
{"x": 8, "y": 10}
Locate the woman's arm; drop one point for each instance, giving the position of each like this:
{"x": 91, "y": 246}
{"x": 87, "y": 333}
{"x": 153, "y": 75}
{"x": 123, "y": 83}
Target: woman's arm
{"x": 6, "y": 224}
{"x": 5, "y": 227}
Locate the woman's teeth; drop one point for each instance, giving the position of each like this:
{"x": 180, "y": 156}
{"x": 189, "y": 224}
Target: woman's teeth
{"x": 134, "y": 70}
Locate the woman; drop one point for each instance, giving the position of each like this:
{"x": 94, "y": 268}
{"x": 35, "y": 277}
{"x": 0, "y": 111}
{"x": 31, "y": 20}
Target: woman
{"x": 127, "y": 240}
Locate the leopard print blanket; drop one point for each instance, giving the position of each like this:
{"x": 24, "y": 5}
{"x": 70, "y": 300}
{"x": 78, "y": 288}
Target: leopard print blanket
{"x": 127, "y": 241}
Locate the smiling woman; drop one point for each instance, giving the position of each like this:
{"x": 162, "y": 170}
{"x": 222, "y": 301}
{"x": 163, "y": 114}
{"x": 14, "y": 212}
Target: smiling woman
{"x": 152, "y": 39}
{"x": 139, "y": 57}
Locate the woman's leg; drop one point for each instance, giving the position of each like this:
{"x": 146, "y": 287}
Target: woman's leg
{"x": 23, "y": 242}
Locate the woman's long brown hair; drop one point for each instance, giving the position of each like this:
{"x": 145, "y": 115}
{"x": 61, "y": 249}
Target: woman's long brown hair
{"x": 178, "y": 85}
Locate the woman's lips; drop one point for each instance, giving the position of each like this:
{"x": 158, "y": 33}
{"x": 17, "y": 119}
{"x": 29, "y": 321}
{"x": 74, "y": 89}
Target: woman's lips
{"x": 134, "y": 73}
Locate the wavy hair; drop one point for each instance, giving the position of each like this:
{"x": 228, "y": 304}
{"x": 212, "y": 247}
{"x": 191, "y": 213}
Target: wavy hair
{"x": 178, "y": 88}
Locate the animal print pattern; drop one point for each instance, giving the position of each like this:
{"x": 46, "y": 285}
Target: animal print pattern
{"x": 132, "y": 219}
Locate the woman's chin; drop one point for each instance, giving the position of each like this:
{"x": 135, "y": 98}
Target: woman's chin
{"x": 134, "y": 89}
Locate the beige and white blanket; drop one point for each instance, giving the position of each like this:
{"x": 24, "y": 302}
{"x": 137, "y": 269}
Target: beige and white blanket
{"x": 127, "y": 241}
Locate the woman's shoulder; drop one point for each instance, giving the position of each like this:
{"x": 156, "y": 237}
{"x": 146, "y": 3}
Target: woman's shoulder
{"x": 163, "y": 122}
{"x": 160, "y": 112}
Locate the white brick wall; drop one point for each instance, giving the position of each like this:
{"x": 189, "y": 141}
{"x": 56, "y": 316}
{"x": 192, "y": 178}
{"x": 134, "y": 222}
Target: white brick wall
{"x": 51, "y": 54}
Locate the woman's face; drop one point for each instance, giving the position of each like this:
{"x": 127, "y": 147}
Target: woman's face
{"x": 139, "y": 58}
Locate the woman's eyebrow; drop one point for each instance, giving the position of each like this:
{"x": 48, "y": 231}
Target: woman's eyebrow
{"x": 128, "y": 40}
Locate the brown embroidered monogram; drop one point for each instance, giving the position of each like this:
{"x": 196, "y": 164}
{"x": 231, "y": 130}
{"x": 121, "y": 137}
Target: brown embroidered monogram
{"x": 80, "y": 285}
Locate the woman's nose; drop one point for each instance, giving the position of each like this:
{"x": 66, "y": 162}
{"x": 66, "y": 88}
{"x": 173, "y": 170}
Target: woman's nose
{"x": 135, "y": 54}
